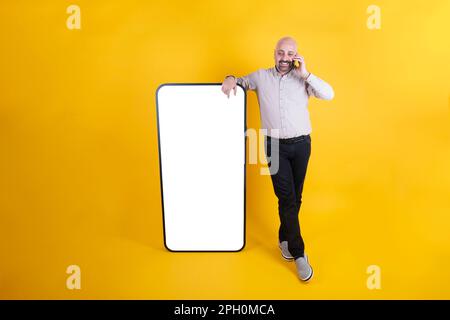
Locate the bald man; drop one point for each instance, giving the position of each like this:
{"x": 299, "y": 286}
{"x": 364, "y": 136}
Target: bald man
{"x": 283, "y": 92}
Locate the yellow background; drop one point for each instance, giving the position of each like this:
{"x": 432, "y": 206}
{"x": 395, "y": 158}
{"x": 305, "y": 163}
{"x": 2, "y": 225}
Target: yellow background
{"x": 79, "y": 154}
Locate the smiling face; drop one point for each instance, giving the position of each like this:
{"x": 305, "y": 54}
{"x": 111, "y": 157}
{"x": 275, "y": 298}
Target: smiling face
{"x": 284, "y": 54}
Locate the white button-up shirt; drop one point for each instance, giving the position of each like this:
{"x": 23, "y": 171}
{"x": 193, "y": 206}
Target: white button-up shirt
{"x": 283, "y": 100}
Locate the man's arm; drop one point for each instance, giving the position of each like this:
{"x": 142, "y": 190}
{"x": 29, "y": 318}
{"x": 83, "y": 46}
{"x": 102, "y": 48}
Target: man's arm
{"x": 318, "y": 88}
{"x": 248, "y": 82}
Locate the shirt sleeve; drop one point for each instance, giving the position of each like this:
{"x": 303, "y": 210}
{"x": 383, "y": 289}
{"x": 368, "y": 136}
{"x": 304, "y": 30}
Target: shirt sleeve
{"x": 318, "y": 88}
{"x": 249, "y": 82}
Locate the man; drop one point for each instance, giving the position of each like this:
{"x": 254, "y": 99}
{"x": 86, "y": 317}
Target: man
{"x": 283, "y": 92}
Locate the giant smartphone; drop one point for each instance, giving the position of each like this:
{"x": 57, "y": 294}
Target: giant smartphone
{"x": 201, "y": 137}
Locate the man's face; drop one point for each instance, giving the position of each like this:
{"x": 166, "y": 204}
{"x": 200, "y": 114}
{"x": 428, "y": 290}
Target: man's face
{"x": 284, "y": 54}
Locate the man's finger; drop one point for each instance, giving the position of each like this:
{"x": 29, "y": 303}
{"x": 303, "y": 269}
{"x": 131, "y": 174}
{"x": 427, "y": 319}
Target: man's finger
{"x": 235, "y": 89}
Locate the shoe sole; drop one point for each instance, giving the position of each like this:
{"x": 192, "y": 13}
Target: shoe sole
{"x": 287, "y": 259}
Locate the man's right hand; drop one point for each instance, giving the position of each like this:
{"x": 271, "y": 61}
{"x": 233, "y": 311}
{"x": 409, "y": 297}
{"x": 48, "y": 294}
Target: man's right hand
{"x": 229, "y": 84}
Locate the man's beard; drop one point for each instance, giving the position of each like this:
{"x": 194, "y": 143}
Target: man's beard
{"x": 287, "y": 65}
{"x": 285, "y": 68}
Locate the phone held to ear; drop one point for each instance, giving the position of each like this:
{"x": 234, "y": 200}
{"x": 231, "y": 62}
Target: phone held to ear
{"x": 296, "y": 64}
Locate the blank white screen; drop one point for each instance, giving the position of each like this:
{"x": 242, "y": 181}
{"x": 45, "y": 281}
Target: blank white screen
{"x": 202, "y": 161}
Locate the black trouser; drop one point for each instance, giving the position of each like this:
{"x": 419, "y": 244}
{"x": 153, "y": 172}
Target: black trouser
{"x": 288, "y": 186}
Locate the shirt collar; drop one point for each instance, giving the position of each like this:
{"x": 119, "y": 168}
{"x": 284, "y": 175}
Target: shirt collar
{"x": 277, "y": 74}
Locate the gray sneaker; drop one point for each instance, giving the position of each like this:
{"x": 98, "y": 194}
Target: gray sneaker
{"x": 304, "y": 269}
{"x": 283, "y": 245}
